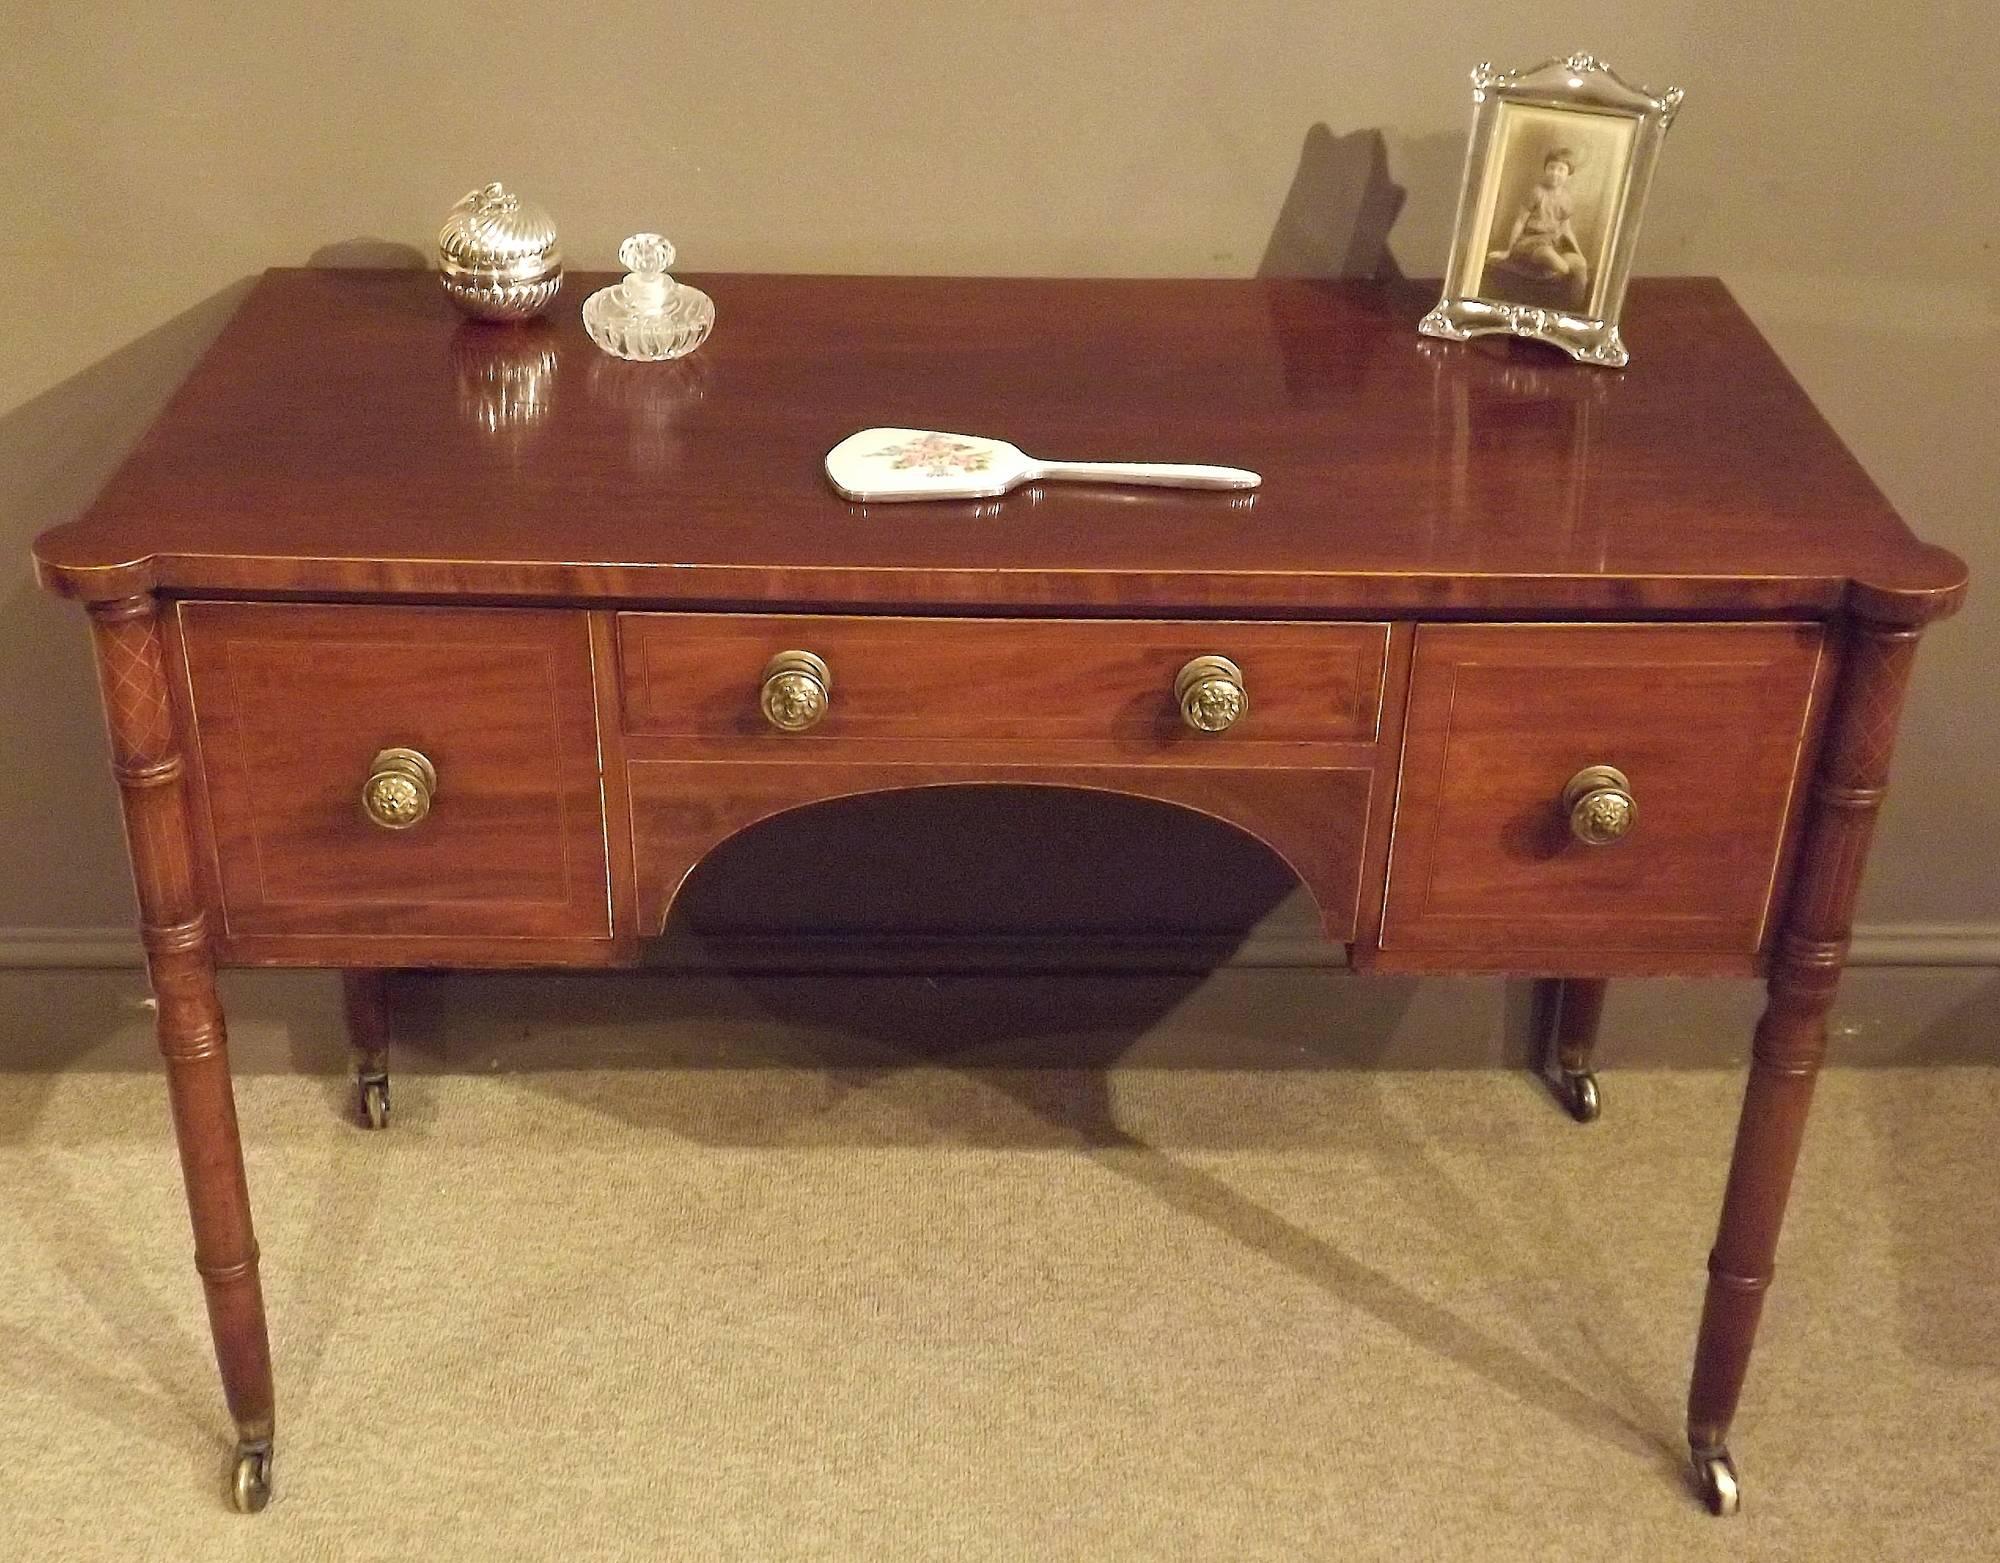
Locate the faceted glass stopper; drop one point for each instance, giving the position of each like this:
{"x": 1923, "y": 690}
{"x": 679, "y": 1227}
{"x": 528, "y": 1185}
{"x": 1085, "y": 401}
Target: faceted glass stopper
{"x": 648, "y": 315}
{"x": 645, "y": 252}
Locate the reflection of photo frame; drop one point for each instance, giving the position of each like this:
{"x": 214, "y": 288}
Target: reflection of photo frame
{"x": 1555, "y": 179}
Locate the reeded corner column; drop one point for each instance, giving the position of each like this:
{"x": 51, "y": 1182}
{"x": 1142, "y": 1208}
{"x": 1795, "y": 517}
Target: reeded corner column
{"x": 146, "y": 755}
{"x": 1791, "y": 1036}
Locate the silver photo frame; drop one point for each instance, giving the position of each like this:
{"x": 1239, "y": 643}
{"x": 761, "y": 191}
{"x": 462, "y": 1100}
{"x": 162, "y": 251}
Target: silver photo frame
{"x": 1556, "y": 176}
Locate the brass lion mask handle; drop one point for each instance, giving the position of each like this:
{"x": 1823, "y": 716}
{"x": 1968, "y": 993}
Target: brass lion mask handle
{"x": 797, "y": 689}
{"x": 1600, "y": 805}
{"x": 1210, "y": 693}
{"x": 399, "y": 789}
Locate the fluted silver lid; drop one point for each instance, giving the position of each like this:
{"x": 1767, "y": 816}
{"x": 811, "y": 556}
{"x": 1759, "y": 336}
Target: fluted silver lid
{"x": 493, "y": 231}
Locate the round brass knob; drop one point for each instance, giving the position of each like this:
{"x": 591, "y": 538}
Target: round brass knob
{"x": 1211, "y": 694}
{"x": 399, "y": 789}
{"x": 796, "y": 690}
{"x": 1600, "y": 805}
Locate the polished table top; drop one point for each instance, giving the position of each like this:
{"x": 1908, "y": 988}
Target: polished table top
{"x": 350, "y": 432}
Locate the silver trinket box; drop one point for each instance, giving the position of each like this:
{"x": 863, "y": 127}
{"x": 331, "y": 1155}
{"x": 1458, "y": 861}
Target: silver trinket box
{"x": 498, "y": 257}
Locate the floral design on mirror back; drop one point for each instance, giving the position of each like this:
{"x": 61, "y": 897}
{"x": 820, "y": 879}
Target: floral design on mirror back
{"x": 938, "y": 454}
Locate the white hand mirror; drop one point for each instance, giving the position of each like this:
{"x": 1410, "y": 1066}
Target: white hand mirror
{"x": 898, "y": 464}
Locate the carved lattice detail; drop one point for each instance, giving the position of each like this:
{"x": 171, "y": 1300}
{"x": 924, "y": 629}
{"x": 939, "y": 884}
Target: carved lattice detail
{"x": 132, "y": 674}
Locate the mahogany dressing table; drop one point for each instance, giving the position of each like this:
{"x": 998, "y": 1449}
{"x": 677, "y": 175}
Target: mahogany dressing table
{"x": 432, "y": 644}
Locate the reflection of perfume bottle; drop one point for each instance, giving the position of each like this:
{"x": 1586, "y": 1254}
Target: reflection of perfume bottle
{"x": 648, "y": 315}
{"x": 651, "y": 403}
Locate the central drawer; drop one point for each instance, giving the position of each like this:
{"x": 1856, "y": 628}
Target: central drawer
{"x": 1108, "y": 683}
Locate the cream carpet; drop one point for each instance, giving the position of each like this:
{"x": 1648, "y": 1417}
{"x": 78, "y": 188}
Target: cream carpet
{"x": 800, "y": 1287}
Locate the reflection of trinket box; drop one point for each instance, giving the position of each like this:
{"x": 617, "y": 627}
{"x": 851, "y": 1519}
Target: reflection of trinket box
{"x": 498, "y": 257}
{"x": 505, "y": 375}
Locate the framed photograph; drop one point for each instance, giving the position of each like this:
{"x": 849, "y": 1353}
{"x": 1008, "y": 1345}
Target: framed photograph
{"x": 1555, "y": 178}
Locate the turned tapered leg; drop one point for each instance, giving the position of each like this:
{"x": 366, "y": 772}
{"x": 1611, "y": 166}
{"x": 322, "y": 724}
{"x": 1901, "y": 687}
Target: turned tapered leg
{"x": 1791, "y": 1039}
{"x": 1578, "y": 1003}
{"x": 367, "y": 996}
{"x": 146, "y": 756}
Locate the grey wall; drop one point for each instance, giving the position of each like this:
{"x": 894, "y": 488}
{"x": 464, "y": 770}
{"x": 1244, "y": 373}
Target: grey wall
{"x": 1837, "y": 171}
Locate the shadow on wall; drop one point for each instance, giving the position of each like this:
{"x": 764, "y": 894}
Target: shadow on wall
{"x": 1342, "y": 205}
{"x": 1338, "y": 212}
{"x": 370, "y": 253}
{"x": 62, "y": 862}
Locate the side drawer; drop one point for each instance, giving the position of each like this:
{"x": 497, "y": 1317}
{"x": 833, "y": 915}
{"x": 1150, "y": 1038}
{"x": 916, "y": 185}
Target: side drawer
{"x": 1106, "y": 683}
{"x": 1709, "y": 725}
{"x": 292, "y": 702}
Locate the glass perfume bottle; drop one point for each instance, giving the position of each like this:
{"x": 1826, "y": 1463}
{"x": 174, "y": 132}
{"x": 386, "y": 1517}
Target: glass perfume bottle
{"x": 648, "y": 315}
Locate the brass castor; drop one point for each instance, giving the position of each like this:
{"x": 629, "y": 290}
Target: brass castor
{"x": 251, "y": 1488}
{"x": 375, "y": 1103}
{"x": 1715, "y": 1475}
{"x": 1578, "y": 1093}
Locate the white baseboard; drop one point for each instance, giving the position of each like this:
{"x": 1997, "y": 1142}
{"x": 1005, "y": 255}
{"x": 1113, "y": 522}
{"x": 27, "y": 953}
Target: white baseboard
{"x": 1877, "y": 944}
